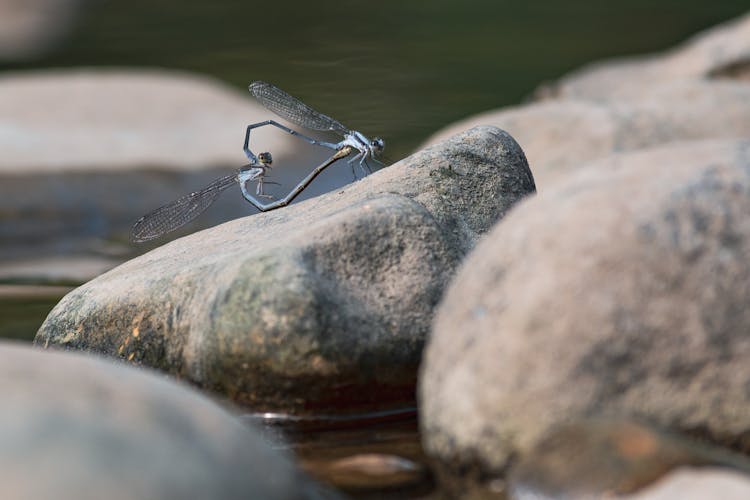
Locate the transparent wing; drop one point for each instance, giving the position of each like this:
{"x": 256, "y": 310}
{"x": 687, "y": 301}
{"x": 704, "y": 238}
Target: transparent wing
{"x": 179, "y": 212}
{"x": 293, "y": 109}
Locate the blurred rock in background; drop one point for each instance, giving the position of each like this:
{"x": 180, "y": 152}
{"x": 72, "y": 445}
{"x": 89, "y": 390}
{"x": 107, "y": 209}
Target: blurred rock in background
{"x": 30, "y": 28}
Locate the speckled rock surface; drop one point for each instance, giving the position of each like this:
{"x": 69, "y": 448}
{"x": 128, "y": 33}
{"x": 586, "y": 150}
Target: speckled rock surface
{"x": 560, "y": 136}
{"x": 620, "y": 291}
{"x": 720, "y": 52}
{"x": 77, "y": 427}
{"x": 322, "y": 306}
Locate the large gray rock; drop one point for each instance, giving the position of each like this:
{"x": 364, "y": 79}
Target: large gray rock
{"x": 560, "y": 136}
{"x": 76, "y": 427}
{"x": 620, "y": 291}
{"x": 720, "y": 52}
{"x": 322, "y": 306}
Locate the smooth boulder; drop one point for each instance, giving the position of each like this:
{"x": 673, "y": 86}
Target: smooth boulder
{"x": 620, "y": 291}
{"x": 320, "y": 307}
{"x": 77, "y": 427}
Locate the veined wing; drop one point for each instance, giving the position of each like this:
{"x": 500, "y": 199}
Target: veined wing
{"x": 292, "y": 109}
{"x": 179, "y": 212}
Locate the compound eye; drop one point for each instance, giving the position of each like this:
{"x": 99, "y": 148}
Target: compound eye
{"x": 265, "y": 157}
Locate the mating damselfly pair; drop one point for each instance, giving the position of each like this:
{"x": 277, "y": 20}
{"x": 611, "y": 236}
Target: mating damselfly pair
{"x": 183, "y": 210}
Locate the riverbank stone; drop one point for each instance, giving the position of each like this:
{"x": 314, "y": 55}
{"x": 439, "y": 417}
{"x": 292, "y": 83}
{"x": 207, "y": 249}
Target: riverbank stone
{"x": 77, "y": 427}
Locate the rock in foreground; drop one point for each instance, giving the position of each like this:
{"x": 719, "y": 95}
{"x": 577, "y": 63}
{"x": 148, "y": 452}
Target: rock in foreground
{"x": 622, "y": 291}
{"x": 610, "y": 458}
{"x": 697, "y": 484}
{"x": 75, "y": 427}
{"x": 322, "y": 306}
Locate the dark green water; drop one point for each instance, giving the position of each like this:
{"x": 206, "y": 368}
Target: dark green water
{"x": 394, "y": 68}
{"x": 20, "y": 317}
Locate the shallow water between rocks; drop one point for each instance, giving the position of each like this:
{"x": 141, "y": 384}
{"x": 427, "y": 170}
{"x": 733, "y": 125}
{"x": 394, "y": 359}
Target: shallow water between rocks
{"x": 371, "y": 456}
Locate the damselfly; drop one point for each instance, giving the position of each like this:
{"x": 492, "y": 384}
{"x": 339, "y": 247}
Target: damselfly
{"x": 299, "y": 113}
{"x": 183, "y": 210}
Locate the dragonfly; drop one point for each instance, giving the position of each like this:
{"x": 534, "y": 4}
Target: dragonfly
{"x": 179, "y": 212}
{"x": 299, "y": 113}
{"x": 176, "y": 214}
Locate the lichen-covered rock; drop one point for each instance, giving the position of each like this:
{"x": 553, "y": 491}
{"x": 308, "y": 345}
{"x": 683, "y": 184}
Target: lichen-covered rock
{"x": 619, "y": 291}
{"x": 76, "y": 427}
{"x": 720, "y": 52}
{"x": 322, "y": 306}
{"x": 561, "y": 136}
